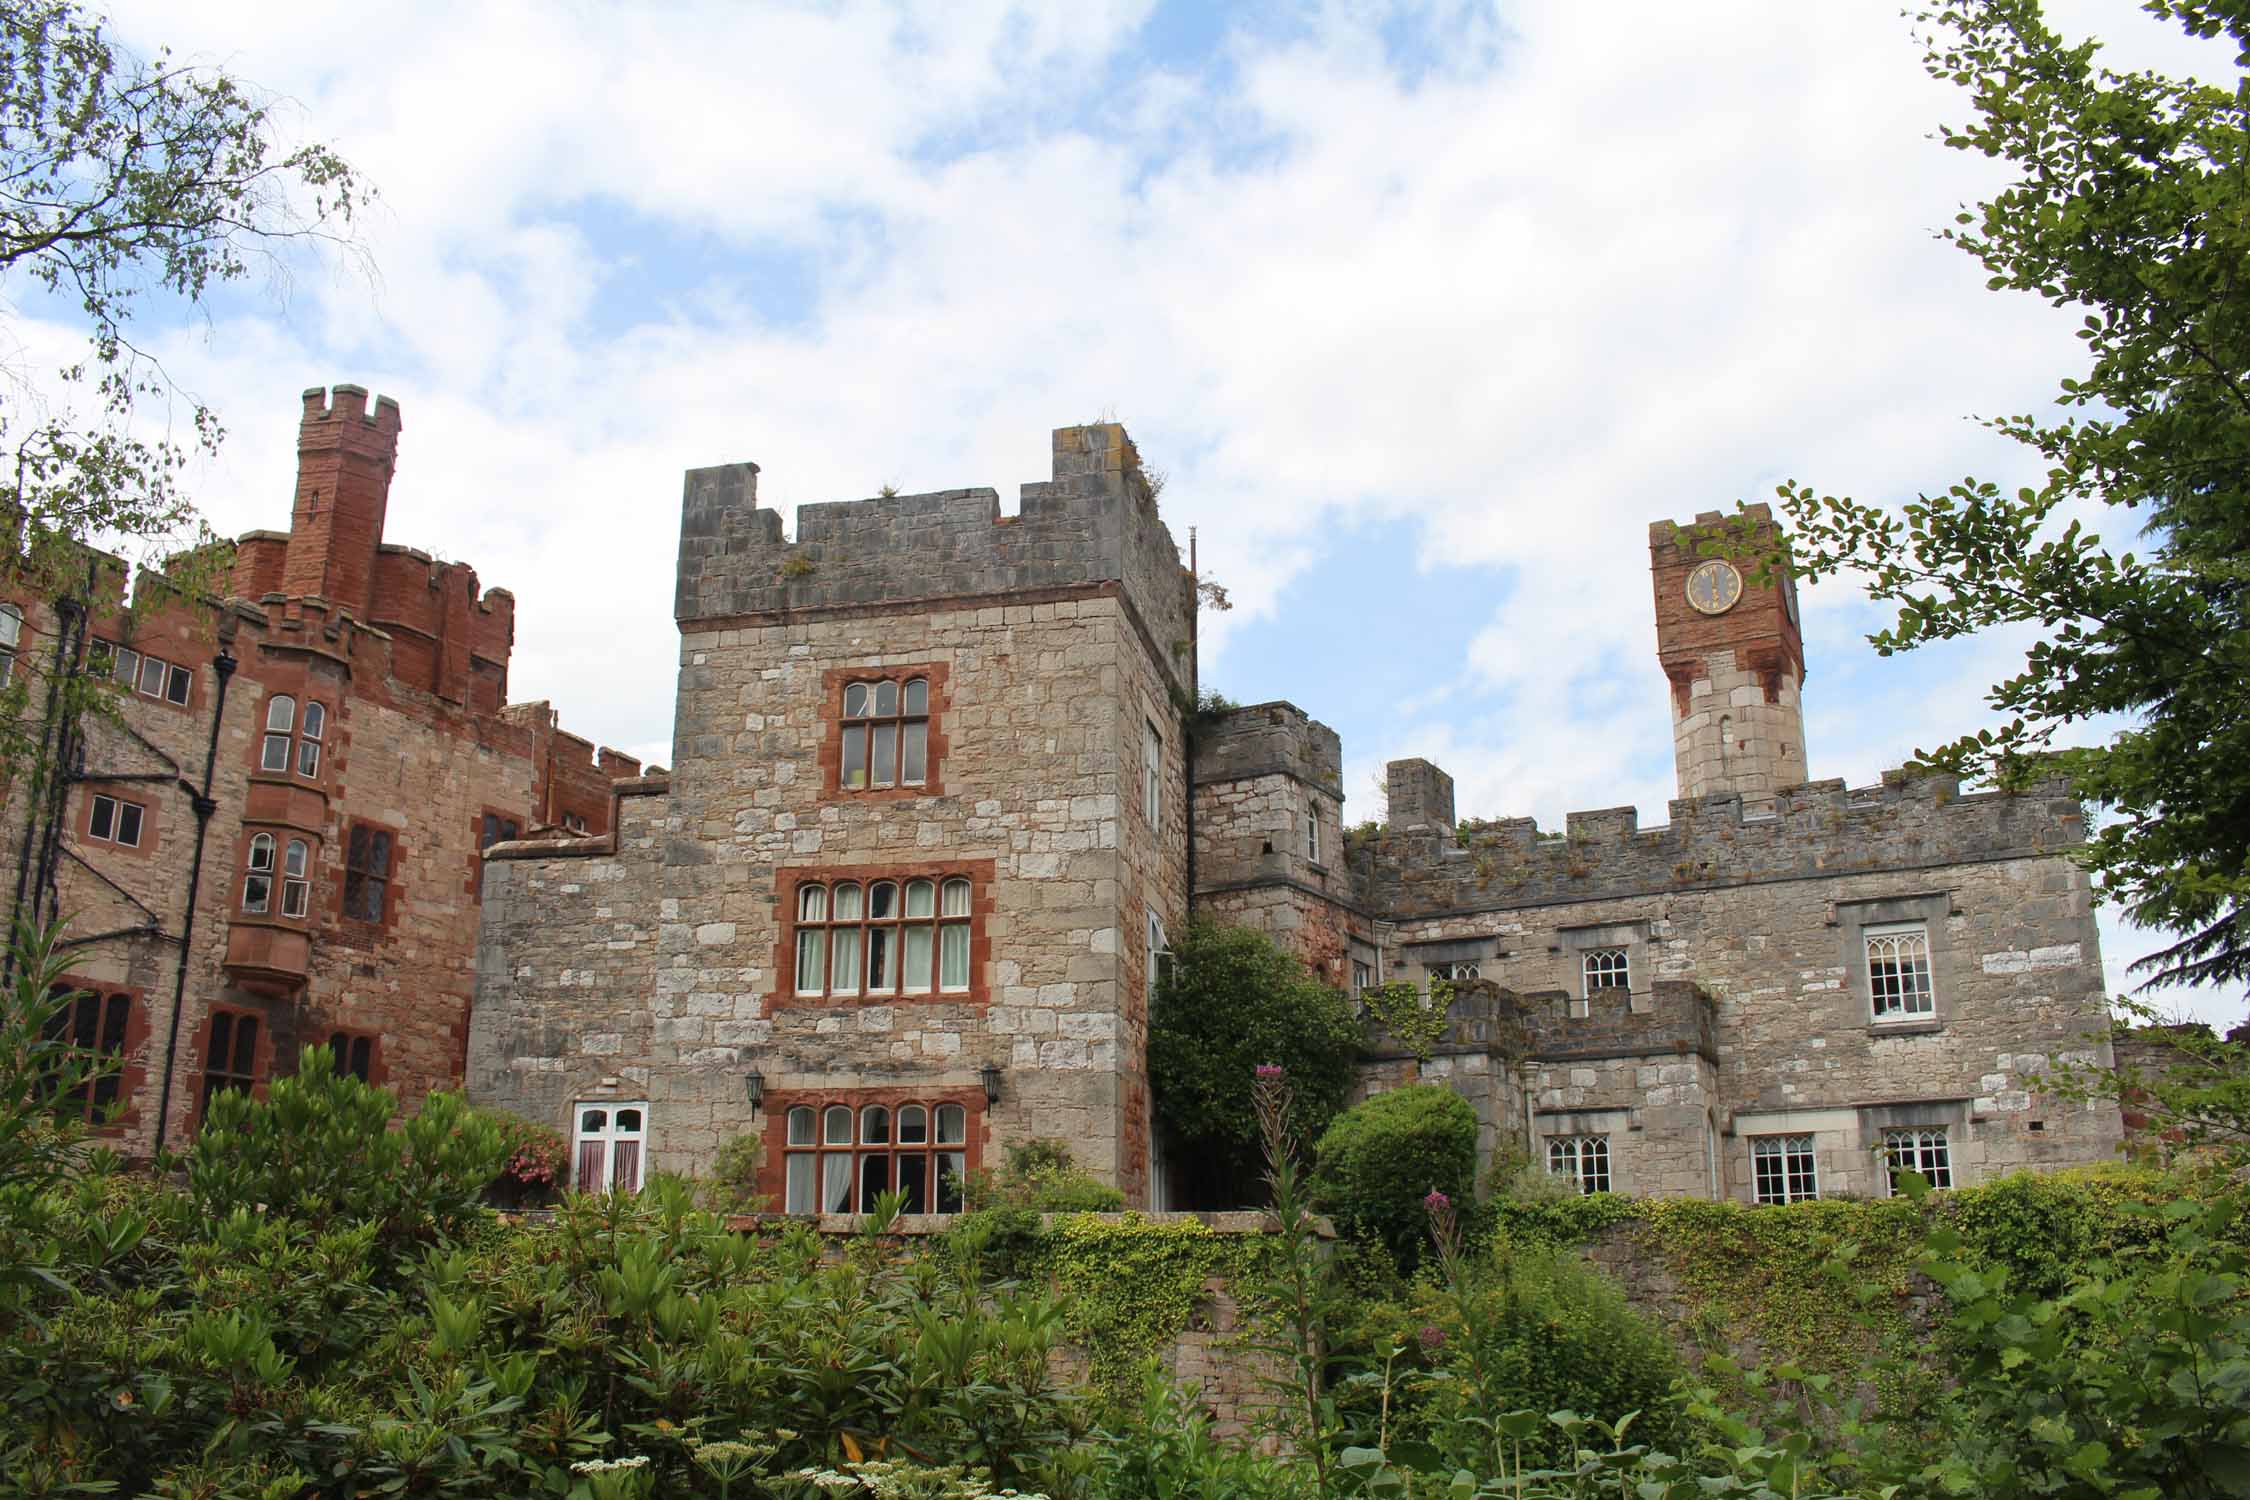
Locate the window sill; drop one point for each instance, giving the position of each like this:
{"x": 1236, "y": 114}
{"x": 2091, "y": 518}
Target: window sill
{"x": 1919, "y": 1026}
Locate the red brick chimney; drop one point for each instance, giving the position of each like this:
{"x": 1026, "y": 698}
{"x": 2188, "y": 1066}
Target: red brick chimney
{"x": 344, "y": 462}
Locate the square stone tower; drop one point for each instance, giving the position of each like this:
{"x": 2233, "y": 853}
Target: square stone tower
{"x": 1735, "y": 655}
{"x": 897, "y": 905}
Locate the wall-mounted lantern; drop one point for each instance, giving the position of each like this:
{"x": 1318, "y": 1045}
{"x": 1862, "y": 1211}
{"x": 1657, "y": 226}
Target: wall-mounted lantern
{"x": 754, "y": 1085}
{"x": 990, "y": 1074}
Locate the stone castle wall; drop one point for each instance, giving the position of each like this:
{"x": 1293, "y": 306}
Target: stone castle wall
{"x": 1766, "y": 916}
{"x": 1041, "y": 700}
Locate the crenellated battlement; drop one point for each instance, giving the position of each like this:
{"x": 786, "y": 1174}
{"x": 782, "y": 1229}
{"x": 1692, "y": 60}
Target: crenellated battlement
{"x": 1268, "y": 739}
{"x": 1093, "y": 523}
{"x": 1820, "y": 827}
{"x": 348, "y": 403}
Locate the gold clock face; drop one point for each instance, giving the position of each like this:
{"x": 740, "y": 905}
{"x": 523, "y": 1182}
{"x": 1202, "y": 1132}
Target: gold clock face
{"x": 1714, "y": 587}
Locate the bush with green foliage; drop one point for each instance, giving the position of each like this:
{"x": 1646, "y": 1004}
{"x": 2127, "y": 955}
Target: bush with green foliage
{"x": 534, "y": 1160}
{"x": 1043, "y": 1177}
{"x": 1378, "y": 1161}
{"x": 321, "y": 1149}
{"x": 732, "y": 1187}
{"x": 1232, "y": 1000}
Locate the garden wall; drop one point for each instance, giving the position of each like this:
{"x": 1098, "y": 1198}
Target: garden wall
{"x": 1141, "y": 1287}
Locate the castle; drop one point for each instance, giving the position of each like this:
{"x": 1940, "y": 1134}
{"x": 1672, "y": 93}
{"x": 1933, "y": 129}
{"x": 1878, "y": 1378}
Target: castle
{"x": 274, "y": 838}
{"x": 934, "y": 807}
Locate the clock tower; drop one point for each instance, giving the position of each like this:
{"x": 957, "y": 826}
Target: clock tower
{"x": 1735, "y": 656}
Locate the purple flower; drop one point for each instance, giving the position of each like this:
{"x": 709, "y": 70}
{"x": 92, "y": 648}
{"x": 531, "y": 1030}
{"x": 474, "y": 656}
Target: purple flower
{"x": 1437, "y": 1201}
{"x": 1432, "y": 1337}
{"x": 1269, "y": 1072}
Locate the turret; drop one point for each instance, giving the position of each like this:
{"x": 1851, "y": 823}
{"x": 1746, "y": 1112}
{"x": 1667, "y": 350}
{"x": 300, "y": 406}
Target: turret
{"x": 1735, "y": 656}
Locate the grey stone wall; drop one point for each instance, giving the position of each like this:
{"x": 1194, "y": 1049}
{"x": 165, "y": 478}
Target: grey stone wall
{"x": 1094, "y": 521}
{"x": 1767, "y": 918}
{"x": 663, "y": 965}
{"x": 1820, "y": 828}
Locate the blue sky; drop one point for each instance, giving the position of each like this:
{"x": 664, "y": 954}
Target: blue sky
{"x": 1427, "y": 309}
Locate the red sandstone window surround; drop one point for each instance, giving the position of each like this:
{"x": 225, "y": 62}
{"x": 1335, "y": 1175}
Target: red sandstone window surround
{"x": 289, "y": 743}
{"x": 258, "y": 876}
{"x": 355, "y": 1053}
{"x": 839, "y": 1153}
{"x": 884, "y": 733}
{"x": 491, "y": 828}
{"x": 96, "y": 1026}
{"x": 916, "y": 933}
{"x": 149, "y": 676}
{"x": 232, "y": 1055}
{"x": 112, "y": 818}
{"x": 367, "y": 872}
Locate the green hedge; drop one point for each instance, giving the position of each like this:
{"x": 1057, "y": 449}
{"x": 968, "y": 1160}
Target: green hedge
{"x": 1380, "y": 1159}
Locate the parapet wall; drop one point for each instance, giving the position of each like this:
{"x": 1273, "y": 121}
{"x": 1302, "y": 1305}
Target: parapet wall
{"x": 1819, "y": 828}
{"x": 1266, "y": 739}
{"x": 1676, "y": 1018}
{"x": 1094, "y": 522}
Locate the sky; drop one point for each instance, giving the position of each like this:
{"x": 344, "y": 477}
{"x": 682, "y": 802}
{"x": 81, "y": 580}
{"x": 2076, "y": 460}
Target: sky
{"x": 1426, "y": 310}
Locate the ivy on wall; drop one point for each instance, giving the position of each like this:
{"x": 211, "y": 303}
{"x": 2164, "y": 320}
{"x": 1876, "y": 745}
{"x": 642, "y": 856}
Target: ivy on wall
{"x": 1827, "y": 1287}
{"x": 1418, "y": 1024}
{"x": 1130, "y": 1285}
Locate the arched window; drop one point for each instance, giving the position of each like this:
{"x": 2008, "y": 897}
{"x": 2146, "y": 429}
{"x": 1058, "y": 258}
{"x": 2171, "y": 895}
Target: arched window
{"x": 281, "y": 718}
{"x": 308, "y": 744}
{"x": 918, "y": 1149}
{"x": 886, "y": 734}
{"x": 610, "y": 1141}
{"x": 879, "y": 938}
{"x": 91, "y": 1029}
{"x": 283, "y": 732}
{"x": 257, "y": 885}
{"x": 296, "y": 880}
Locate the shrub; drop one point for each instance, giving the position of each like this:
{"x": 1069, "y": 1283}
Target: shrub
{"x": 1233, "y": 1000}
{"x": 732, "y": 1187}
{"x": 534, "y": 1159}
{"x": 1382, "y": 1157}
{"x": 319, "y": 1148}
{"x": 1044, "y": 1178}
{"x": 1527, "y": 1328}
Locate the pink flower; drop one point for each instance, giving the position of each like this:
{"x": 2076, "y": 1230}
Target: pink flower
{"x": 1269, "y": 1072}
{"x": 1436, "y": 1201}
{"x": 1432, "y": 1337}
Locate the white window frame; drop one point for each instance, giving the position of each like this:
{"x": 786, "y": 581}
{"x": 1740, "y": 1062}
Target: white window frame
{"x": 1152, "y": 773}
{"x": 258, "y": 872}
{"x": 11, "y": 641}
{"x": 1910, "y": 993}
{"x": 871, "y": 707}
{"x": 1924, "y": 1149}
{"x": 118, "y": 807}
{"x": 296, "y": 879}
{"x": 1457, "y": 972}
{"x": 1159, "y": 949}
{"x": 609, "y": 1135}
{"x": 1583, "y": 1159}
{"x": 1606, "y": 969}
{"x": 1795, "y": 1178}
{"x": 1363, "y": 977}
{"x": 132, "y": 669}
{"x": 281, "y": 723}
{"x": 837, "y": 930}
{"x": 1312, "y": 830}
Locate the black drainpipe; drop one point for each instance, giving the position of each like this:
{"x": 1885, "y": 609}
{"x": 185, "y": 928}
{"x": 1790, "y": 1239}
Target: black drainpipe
{"x": 41, "y": 814}
{"x": 222, "y": 666}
